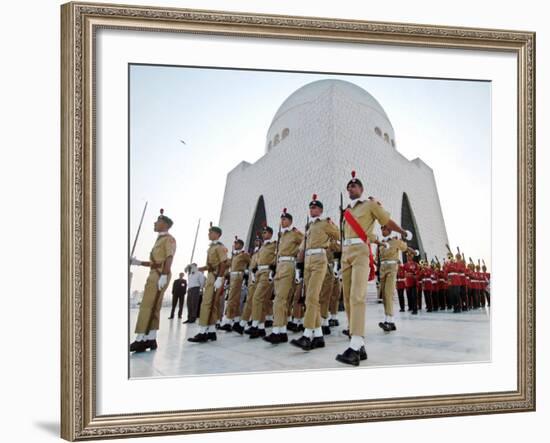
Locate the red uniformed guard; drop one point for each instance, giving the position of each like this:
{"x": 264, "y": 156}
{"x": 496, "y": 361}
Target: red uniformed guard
{"x": 411, "y": 269}
{"x": 426, "y": 275}
{"x": 400, "y": 286}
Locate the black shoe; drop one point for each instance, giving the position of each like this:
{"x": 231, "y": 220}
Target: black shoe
{"x": 268, "y": 323}
{"x": 201, "y": 337}
{"x": 218, "y": 326}
{"x": 151, "y": 344}
{"x": 227, "y": 327}
{"x": 326, "y": 330}
{"x": 303, "y": 343}
{"x": 171, "y": 317}
{"x": 332, "y": 323}
{"x": 138, "y": 346}
{"x": 275, "y": 339}
{"x": 300, "y": 328}
{"x": 392, "y": 326}
{"x": 283, "y": 338}
{"x": 247, "y": 331}
{"x": 429, "y": 310}
{"x": 362, "y": 353}
{"x": 212, "y": 336}
{"x": 317, "y": 342}
{"x": 238, "y": 328}
{"x": 414, "y": 312}
{"x": 385, "y": 326}
{"x": 349, "y": 357}
{"x": 179, "y": 316}
{"x": 401, "y": 310}
{"x": 336, "y": 322}
{"x": 346, "y": 332}
{"x": 291, "y": 326}
{"x": 186, "y": 321}
{"x": 256, "y": 332}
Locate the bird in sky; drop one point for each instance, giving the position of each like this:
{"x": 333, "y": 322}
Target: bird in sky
{"x": 182, "y": 141}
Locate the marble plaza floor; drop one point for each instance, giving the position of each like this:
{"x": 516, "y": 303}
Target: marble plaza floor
{"x": 427, "y": 338}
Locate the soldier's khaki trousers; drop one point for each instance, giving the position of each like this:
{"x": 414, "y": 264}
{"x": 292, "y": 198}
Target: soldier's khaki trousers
{"x": 315, "y": 268}
{"x": 149, "y": 309}
{"x": 297, "y": 308}
{"x": 262, "y": 292}
{"x": 326, "y": 292}
{"x": 355, "y": 276}
{"x": 388, "y": 275}
{"x": 247, "y": 308}
{"x": 284, "y": 290}
{"x": 335, "y": 296}
{"x": 232, "y": 308}
{"x": 210, "y": 305}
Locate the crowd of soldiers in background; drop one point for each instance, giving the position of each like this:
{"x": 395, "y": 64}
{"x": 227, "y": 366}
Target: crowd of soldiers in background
{"x": 435, "y": 282}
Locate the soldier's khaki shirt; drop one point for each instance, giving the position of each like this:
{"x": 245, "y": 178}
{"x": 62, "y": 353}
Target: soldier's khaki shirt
{"x": 320, "y": 233}
{"x": 240, "y": 262}
{"x": 290, "y": 243}
{"x": 266, "y": 254}
{"x": 392, "y": 251}
{"x": 164, "y": 247}
{"x": 216, "y": 255}
{"x": 366, "y": 213}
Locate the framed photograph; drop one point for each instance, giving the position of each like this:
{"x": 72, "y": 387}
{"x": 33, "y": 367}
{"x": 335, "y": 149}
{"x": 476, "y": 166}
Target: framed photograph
{"x": 292, "y": 221}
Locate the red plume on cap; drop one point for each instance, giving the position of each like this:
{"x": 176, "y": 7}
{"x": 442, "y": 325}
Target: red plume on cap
{"x": 236, "y": 238}
{"x": 314, "y": 197}
{"x": 161, "y": 211}
{"x": 284, "y": 210}
{"x": 210, "y": 224}
{"x": 352, "y": 174}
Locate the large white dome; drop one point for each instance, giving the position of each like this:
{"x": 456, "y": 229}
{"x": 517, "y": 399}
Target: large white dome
{"x": 312, "y": 91}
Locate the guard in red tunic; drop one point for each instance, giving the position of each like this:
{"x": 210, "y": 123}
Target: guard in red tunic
{"x": 442, "y": 286}
{"x": 411, "y": 269}
{"x": 426, "y": 276}
{"x": 455, "y": 280}
{"x": 400, "y": 286}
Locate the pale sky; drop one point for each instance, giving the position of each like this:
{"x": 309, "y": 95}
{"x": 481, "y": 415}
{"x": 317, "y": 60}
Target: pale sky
{"x": 223, "y": 117}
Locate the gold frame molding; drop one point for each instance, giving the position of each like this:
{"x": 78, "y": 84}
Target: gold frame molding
{"x": 79, "y": 22}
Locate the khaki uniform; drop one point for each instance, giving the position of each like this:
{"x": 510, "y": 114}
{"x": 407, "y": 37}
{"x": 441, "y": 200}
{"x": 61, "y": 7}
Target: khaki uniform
{"x": 247, "y": 308}
{"x": 239, "y": 263}
{"x": 289, "y": 245}
{"x": 264, "y": 288}
{"x": 389, "y": 262}
{"x": 320, "y": 233}
{"x": 149, "y": 309}
{"x": 215, "y": 256}
{"x": 328, "y": 282}
{"x": 355, "y": 262}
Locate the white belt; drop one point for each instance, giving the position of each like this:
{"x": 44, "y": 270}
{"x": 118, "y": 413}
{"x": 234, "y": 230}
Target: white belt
{"x": 263, "y": 267}
{"x": 453, "y": 273}
{"x": 287, "y": 258}
{"x": 353, "y": 241}
{"x": 237, "y": 273}
{"x": 400, "y": 279}
{"x": 315, "y": 251}
{"x": 389, "y": 262}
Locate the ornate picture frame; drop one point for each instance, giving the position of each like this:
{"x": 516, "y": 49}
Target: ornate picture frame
{"x": 80, "y": 22}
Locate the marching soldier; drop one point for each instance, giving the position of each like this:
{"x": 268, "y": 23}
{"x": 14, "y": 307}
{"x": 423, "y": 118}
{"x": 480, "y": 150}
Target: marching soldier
{"x": 454, "y": 274}
{"x": 426, "y": 276}
{"x": 289, "y": 242}
{"x": 358, "y": 263}
{"x": 240, "y": 261}
{"x": 264, "y": 282}
{"x": 389, "y": 249}
{"x": 216, "y": 263}
{"x": 160, "y": 263}
{"x": 442, "y": 285}
{"x": 314, "y": 264}
{"x": 251, "y": 287}
{"x": 400, "y": 286}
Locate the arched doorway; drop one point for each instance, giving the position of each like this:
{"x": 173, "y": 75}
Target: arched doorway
{"x": 408, "y": 222}
{"x": 258, "y": 220}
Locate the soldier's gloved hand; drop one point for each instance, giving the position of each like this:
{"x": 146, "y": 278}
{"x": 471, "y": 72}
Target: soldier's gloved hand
{"x": 297, "y": 277}
{"x": 408, "y": 235}
{"x": 163, "y": 281}
{"x": 218, "y": 283}
{"x": 270, "y": 278}
{"x": 134, "y": 261}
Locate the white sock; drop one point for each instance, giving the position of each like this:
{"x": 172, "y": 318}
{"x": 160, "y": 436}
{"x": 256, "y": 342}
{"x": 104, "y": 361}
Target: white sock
{"x": 275, "y": 329}
{"x": 237, "y": 319}
{"x": 325, "y": 322}
{"x": 255, "y": 323}
{"x": 299, "y": 321}
{"x": 269, "y": 317}
{"x": 318, "y": 332}
{"x": 225, "y": 320}
{"x": 308, "y": 333}
{"x": 243, "y": 323}
{"x": 202, "y": 329}
{"x": 333, "y": 316}
{"x": 289, "y": 318}
{"x": 152, "y": 335}
{"x": 386, "y": 318}
{"x": 390, "y": 318}
{"x": 282, "y": 329}
{"x": 261, "y": 325}
{"x": 212, "y": 328}
{"x": 140, "y": 337}
{"x": 356, "y": 342}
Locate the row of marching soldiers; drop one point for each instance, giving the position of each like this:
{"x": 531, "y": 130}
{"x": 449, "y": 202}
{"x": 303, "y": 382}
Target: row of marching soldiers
{"x": 455, "y": 284}
{"x": 294, "y": 278}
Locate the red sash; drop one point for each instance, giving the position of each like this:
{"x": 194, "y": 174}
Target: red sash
{"x": 348, "y": 216}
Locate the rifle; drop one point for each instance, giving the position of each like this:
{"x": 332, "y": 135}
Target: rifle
{"x": 341, "y": 225}
{"x": 302, "y": 300}
{"x": 277, "y": 255}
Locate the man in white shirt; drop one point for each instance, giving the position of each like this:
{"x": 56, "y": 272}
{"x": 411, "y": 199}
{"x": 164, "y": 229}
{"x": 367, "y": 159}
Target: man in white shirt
{"x": 195, "y": 283}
